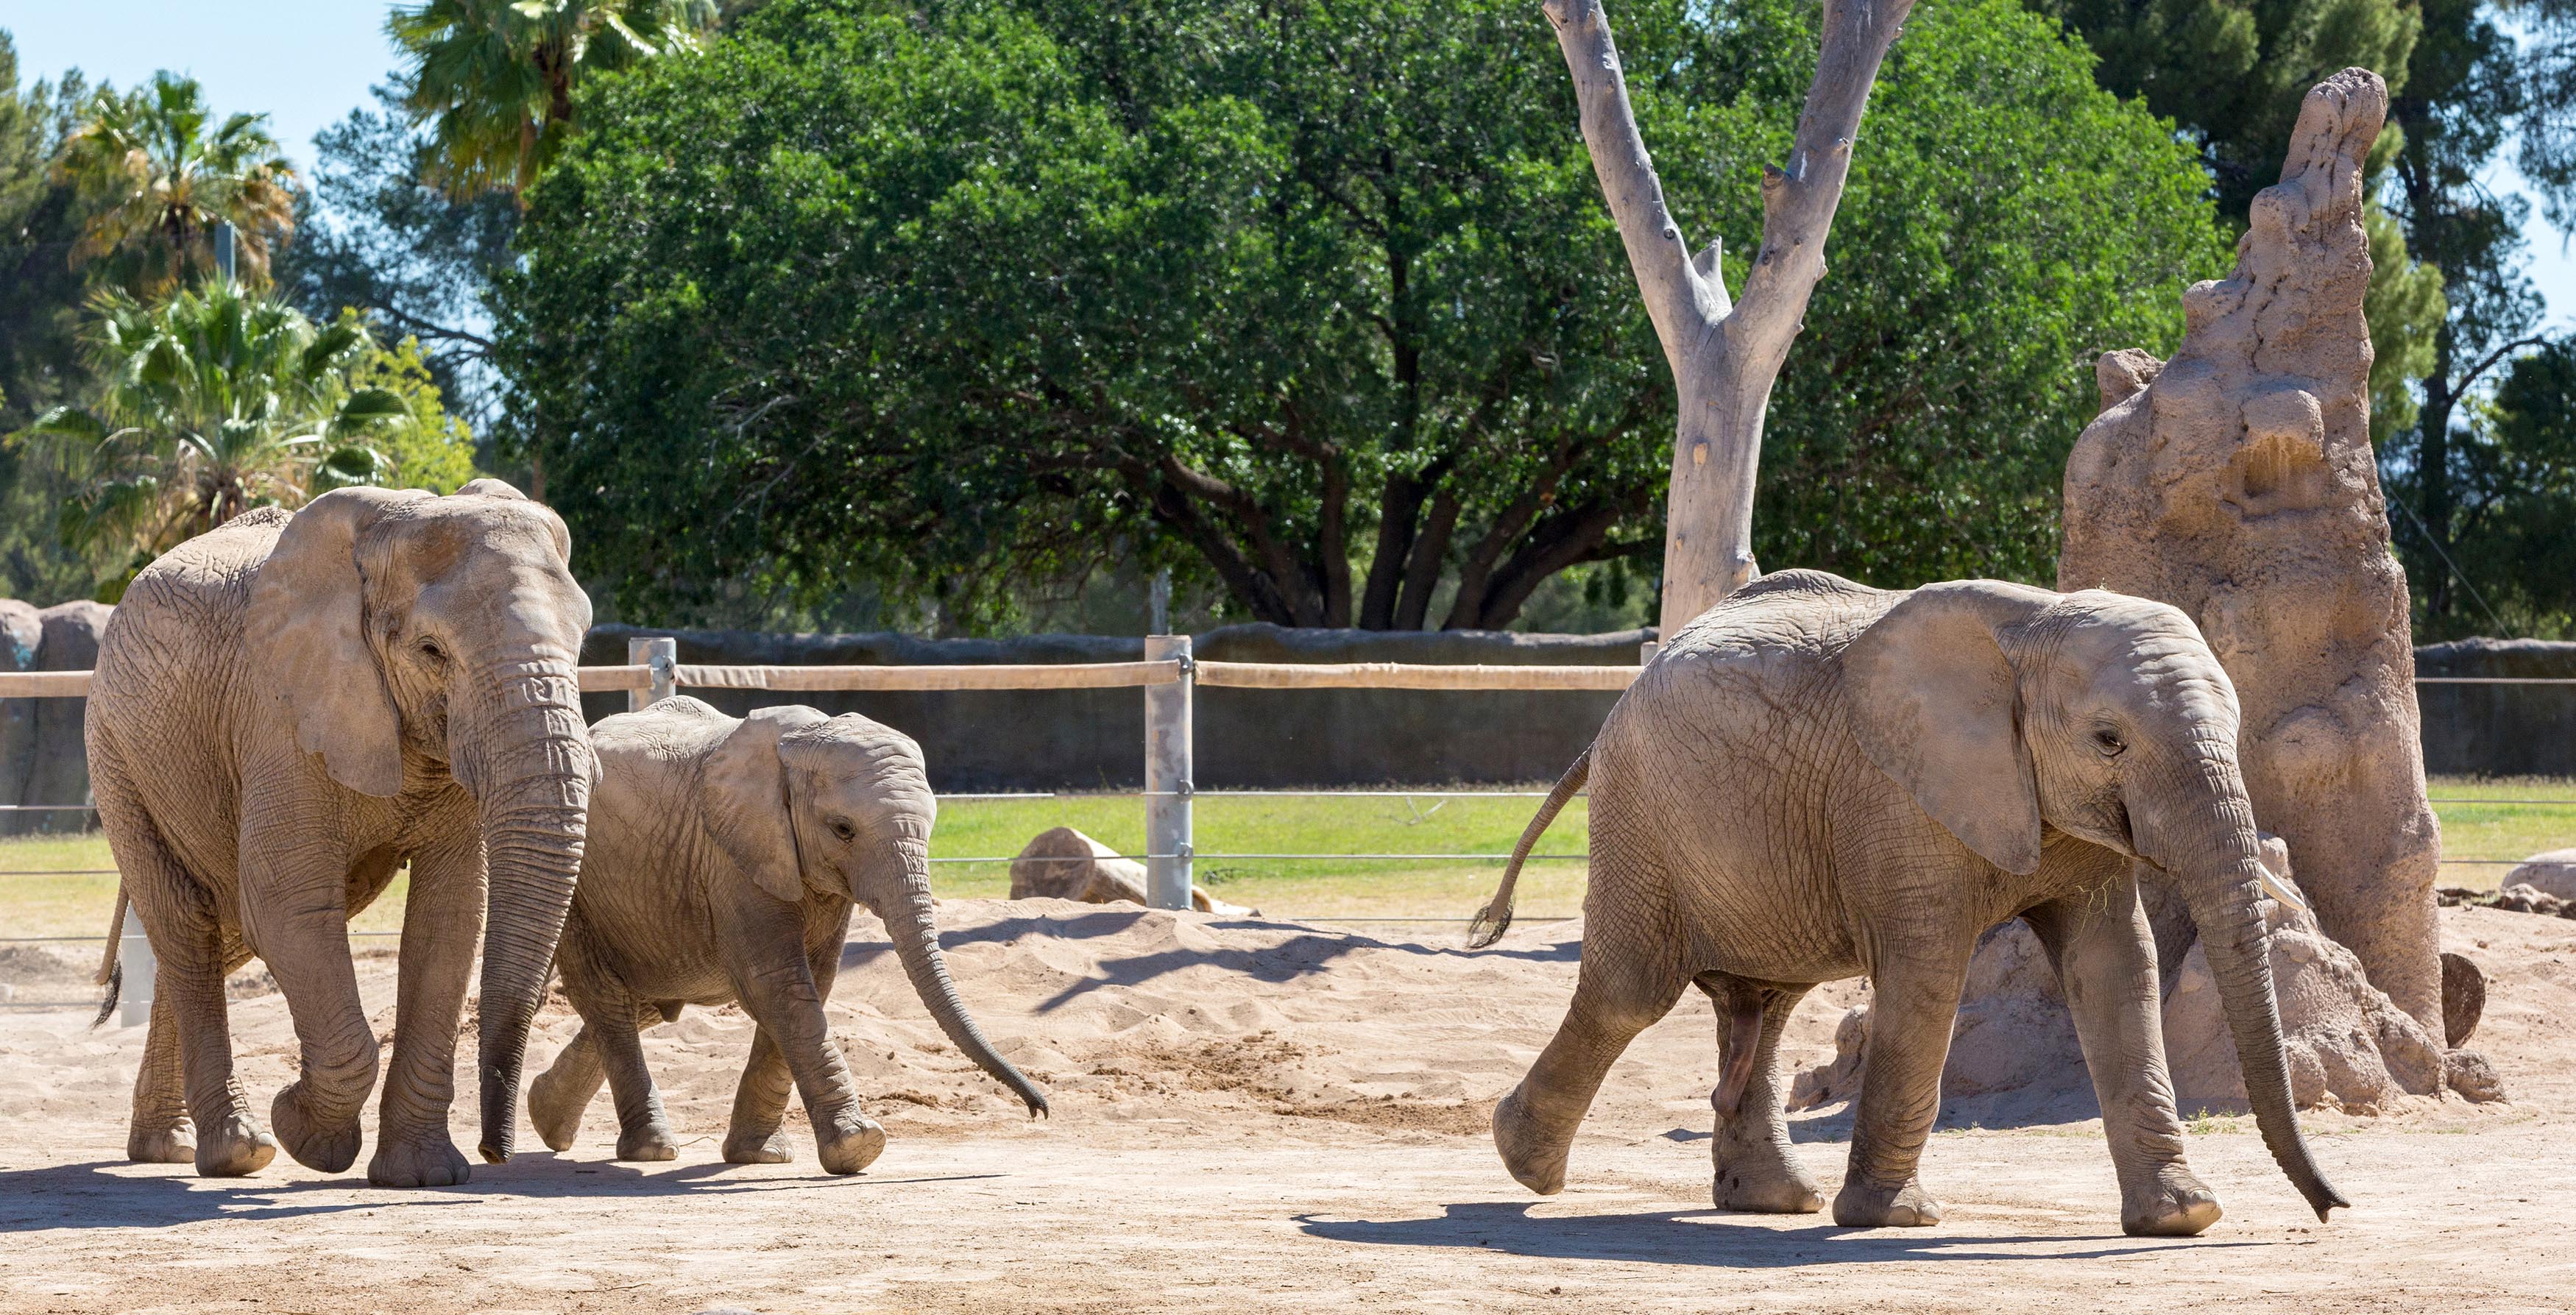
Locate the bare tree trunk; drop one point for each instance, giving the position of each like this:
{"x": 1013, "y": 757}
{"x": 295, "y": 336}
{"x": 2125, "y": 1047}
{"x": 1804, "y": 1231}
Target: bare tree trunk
{"x": 1724, "y": 355}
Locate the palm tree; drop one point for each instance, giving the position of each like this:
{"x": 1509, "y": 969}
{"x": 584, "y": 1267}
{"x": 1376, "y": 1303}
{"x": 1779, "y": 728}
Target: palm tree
{"x": 160, "y": 183}
{"x": 213, "y": 402}
{"x": 494, "y": 78}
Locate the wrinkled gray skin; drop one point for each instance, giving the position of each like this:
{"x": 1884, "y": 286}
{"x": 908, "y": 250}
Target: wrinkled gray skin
{"x": 285, "y": 711}
{"x": 725, "y": 858}
{"x": 1817, "y": 780}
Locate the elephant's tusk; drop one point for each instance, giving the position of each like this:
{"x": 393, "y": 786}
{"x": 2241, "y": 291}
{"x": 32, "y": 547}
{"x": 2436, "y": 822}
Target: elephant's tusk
{"x": 2280, "y": 889}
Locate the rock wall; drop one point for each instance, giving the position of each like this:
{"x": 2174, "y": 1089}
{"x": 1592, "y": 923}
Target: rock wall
{"x": 42, "y": 758}
{"x": 2237, "y": 482}
{"x": 1094, "y": 739}
{"x": 2499, "y": 730}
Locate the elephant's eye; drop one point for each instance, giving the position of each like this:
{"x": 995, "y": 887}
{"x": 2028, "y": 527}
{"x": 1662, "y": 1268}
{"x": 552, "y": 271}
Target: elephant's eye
{"x": 2109, "y": 742}
{"x": 844, "y": 830}
{"x": 429, "y": 649}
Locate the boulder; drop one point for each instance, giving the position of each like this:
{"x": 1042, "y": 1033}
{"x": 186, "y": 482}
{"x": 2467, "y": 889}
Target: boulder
{"x": 1062, "y": 863}
{"x": 2236, "y": 482}
{"x": 2550, "y": 873}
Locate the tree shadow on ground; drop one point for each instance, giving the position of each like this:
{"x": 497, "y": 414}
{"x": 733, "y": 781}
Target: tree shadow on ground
{"x": 117, "y": 1194}
{"x": 1706, "y": 1237}
{"x": 1303, "y": 952}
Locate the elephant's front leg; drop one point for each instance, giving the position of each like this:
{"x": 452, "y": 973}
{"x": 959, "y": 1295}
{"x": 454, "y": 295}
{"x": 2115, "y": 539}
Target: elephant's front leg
{"x": 2106, "y": 964}
{"x": 1755, "y": 1167}
{"x": 787, "y": 1000}
{"x": 294, "y": 895}
{"x": 442, "y": 921}
{"x": 1917, "y": 976}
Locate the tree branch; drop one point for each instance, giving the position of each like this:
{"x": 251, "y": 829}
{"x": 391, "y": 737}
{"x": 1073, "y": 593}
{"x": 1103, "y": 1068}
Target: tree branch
{"x": 1686, "y": 298}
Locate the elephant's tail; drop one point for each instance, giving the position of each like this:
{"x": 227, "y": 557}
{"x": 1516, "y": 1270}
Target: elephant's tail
{"x": 111, "y": 971}
{"x": 1496, "y": 917}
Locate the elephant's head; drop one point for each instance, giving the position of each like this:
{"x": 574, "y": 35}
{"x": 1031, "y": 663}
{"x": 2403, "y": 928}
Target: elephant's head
{"x": 386, "y": 621}
{"x": 2008, "y": 712}
{"x": 801, "y": 802}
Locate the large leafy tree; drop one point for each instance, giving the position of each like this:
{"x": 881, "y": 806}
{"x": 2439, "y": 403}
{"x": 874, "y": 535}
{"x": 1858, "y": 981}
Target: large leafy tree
{"x": 1317, "y": 298}
{"x": 494, "y": 79}
{"x": 414, "y": 259}
{"x": 40, "y": 293}
{"x": 2474, "y": 90}
{"x": 161, "y": 172}
{"x": 214, "y": 400}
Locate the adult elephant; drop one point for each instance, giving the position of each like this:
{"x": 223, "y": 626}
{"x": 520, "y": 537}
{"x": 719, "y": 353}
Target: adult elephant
{"x": 1816, "y": 780}
{"x": 288, "y": 709}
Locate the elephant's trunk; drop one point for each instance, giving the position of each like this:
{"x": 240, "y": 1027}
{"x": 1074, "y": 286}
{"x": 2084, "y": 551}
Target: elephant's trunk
{"x": 534, "y": 772}
{"x": 2219, "y": 873}
{"x": 903, "y": 900}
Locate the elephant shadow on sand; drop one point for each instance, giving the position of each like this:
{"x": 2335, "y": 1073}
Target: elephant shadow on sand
{"x": 1299, "y": 955}
{"x": 1701, "y": 1237}
{"x": 109, "y": 1194}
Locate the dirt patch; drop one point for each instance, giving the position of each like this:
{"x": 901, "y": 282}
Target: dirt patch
{"x": 1266, "y": 1116}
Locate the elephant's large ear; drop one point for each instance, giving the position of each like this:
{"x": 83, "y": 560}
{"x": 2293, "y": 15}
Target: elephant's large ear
{"x": 744, "y": 801}
{"x": 1935, "y": 704}
{"x": 306, "y": 638}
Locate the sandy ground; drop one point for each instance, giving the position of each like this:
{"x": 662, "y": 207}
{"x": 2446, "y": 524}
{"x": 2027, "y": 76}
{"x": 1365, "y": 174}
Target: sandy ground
{"x": 1259, "y": 1115}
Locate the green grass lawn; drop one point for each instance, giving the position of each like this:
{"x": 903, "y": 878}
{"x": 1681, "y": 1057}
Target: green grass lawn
{"x": 78, "y": 905}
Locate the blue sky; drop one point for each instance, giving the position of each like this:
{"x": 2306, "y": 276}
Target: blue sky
{"x": 307, "y": 63}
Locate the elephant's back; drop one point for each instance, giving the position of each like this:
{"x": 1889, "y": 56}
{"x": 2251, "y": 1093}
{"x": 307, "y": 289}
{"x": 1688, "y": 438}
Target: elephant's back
{"x": 180, "y": 620}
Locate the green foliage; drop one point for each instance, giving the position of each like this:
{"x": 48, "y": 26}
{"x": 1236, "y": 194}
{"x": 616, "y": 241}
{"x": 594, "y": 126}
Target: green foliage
{"x": 159, "y": 173}
{"x": 1320, "y": 299}
{"x": 2233, "y": 72}
{"x": 2405, "y": 308}
{"x": 40, "y": 294}
{"x": 212, "y": 402}
{"x": 495, "y": 78}
{"x": 2473, "y": 90}
{"x": 2005, "y": 224}
{"x": 2513, "y": 473}
{"x": 370, "y": 234}
{"x": 424, "y": 447}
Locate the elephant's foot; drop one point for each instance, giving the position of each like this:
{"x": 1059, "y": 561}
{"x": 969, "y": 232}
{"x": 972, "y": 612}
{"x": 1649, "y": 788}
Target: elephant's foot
{"x": 174, "y": 1143}
{"x": 233, "y": 1147}
{"x": 1536, "y": 1160}
{"x": 552, "y": 1108}
{"x": 2175, "y": 1203}
{"x": 1757, "y": 1175}
{"x": 758, "y": 1148}
{"x": 426, "y": 1159}
{"x": 1863, "y": 1204}
{"x": 653, "y": 1141}
{"x": 849, "y": 1143}
{"x": 327, "y": 1146}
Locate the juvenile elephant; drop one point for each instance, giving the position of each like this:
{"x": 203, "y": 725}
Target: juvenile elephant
{"x": 1816, "y": 780}
{"x": 285, "y": 711}
{"x": 724, "y": 860}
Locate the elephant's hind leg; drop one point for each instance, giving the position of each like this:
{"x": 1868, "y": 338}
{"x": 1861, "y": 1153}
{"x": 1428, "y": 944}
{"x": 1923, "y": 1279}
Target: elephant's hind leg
{"x": 559, "y": 1095}
{"x": 643, "y": 1127}
{"x": 2106, "y": 965}
{"x": 188, "y": 1103}
{"x": 760, "y": 1106}
{"x": 1628, "y": 982}
{"x": 1755, "y": 1167}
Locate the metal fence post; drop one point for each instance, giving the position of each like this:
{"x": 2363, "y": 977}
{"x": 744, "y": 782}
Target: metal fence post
{"x": 134, "y": 957}
{"x": 1167, "y": 777}
{"x": 663, "y": 655}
